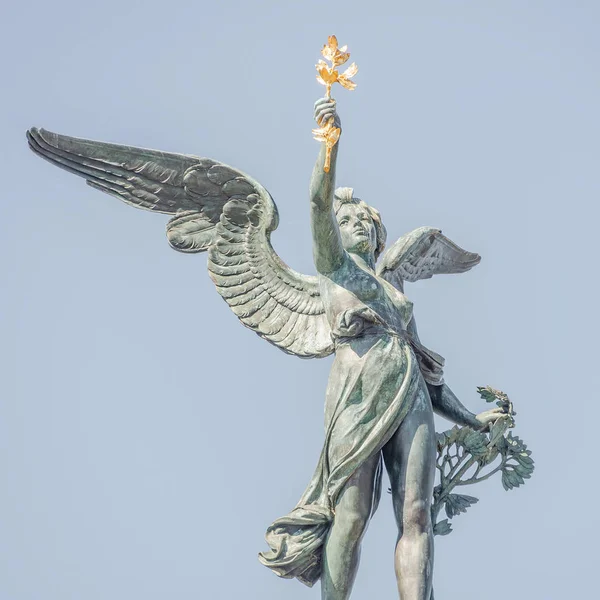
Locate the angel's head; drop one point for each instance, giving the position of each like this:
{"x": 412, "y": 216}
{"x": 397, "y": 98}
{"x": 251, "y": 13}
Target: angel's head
{"x": 361, "y": 228}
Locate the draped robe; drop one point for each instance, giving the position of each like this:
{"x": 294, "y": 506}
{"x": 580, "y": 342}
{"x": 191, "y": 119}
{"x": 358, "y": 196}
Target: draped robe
{"x": 373, "y": 382}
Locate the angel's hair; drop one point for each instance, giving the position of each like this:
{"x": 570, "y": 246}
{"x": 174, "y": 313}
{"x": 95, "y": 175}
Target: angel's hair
{"x": 345, "y": 195}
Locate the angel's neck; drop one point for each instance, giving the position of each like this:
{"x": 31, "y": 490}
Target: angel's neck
{"x": 365, "y": 260}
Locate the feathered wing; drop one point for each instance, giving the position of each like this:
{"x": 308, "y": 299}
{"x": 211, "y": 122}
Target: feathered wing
{"x": 421, "y": 254}
{"x": 216, "y": 208}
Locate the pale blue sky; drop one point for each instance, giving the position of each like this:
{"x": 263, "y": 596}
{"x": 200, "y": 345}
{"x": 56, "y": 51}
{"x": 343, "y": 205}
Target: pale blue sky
{"x": 146, "y": 438}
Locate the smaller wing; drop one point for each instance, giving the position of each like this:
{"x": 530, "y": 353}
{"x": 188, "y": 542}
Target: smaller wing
{"x": 421, "y": 254}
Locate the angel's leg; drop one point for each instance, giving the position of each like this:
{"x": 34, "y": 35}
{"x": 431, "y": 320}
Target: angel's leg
{"x": 410, "y": 461}
{"x": 341, "y": 552}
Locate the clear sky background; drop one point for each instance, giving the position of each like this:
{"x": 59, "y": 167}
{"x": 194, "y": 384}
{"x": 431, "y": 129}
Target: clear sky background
{"x": 146, "y": 438}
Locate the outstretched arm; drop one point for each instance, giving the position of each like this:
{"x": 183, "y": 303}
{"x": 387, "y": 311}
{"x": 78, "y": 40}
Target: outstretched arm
{"x": 328, "y": 251}
{"x": 447, "y": 405}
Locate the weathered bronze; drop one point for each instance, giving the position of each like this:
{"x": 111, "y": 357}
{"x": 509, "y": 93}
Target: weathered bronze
{"x": 385, "y": 384}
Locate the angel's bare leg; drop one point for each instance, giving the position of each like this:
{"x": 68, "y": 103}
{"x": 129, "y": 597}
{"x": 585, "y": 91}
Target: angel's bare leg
{"x": 341, "y": 553}
{"x": 410, "y": 461}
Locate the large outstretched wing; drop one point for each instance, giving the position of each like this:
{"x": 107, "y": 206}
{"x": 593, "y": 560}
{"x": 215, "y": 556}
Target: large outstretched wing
{"x": 216, "y": 208}
{"x": 421, "y": 254}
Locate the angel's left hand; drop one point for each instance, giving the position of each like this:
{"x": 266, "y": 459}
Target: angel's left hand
{"x": 489, "y": 417}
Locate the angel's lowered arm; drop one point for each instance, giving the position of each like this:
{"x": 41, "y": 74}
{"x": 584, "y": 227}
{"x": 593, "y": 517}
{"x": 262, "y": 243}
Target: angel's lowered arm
{"x": 443, "y": 399}
{"x": 328, "y": 251}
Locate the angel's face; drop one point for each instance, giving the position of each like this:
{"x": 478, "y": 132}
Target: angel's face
{"x": 357, "y": 229}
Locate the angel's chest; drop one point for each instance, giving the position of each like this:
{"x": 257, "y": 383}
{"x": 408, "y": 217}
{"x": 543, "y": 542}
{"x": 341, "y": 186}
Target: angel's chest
{"x": 356, "y": 286}
{"x": 362, "y": 284}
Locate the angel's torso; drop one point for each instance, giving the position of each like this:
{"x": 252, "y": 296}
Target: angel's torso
{"x": 354, "y": 287}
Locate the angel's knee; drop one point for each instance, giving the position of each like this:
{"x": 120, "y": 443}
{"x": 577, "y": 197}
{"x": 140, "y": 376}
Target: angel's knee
{"x": 351, "y": 524}
{"x": 416, "y": 517}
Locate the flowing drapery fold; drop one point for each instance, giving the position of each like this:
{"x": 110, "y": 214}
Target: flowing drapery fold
{"x": 362, "y": 414}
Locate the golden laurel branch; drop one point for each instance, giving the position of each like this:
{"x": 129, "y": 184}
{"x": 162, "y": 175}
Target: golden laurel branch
{"x": 327, "y": 76}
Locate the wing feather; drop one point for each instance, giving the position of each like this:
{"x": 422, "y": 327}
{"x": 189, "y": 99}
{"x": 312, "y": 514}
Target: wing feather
{"x": 224, "y": 270}
{"x": 288, "y": 311}
{"x": 259, "y": 319}
{"x": 287, "y": 329}
{"x": 143, "y": 178}
{"x": 234, "y": 280}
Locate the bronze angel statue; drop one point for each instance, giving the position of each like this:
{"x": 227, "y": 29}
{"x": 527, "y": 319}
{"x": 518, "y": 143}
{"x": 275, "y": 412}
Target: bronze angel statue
{"x": 384, "y": 385}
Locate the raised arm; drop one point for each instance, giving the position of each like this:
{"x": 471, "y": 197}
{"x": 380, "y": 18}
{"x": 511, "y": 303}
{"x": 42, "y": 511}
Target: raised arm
{"x": 328, "y": 251}
{"x": 447, "y": 405}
